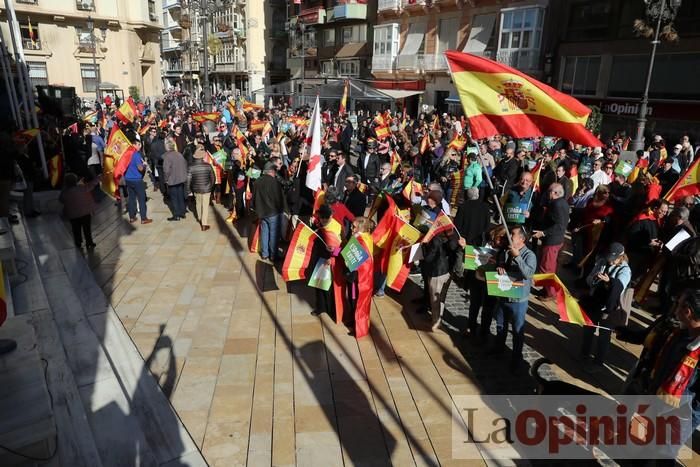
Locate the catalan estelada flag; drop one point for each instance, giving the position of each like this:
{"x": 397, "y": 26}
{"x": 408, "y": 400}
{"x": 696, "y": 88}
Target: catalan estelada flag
{"x": 127, "y": 111}
{"x": 687, "y": 185}
{"x": 299, "y": 253}
{"x": 498, "y": 99}
{"x": 202, "y": 117}
{"x": 569, "y": 309}
{"x": 442, "y": 223}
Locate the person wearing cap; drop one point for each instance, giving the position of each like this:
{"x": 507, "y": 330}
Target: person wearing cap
{"x": 667, "y": 367}
{"x": 136, "y": 189}
{"x": 608, "y": 279}
{"x": 269, "y": 204}
{"x": 201, "y": 183}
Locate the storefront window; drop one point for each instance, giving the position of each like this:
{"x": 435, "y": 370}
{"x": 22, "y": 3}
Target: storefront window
{"x": 675, "y": 76}
{"x": 581, "y": 75}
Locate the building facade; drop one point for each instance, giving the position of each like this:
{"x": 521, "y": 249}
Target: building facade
{"x": 602, "y": 62}
{"x": 331, "y": 39}
{"x": 59, "y": 48}
{"x": 243, "y": 41}
{"x": 412, "y": 35}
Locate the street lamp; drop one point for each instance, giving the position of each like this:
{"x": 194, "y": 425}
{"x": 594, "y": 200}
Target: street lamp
{"x": 661, "y": 12}
{"x": 206, "y": 8}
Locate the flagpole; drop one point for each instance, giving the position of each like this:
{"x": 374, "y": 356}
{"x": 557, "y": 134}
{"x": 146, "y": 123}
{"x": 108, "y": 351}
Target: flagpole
{"x": 315, "y": 233}
{"x": 497, "y": 202}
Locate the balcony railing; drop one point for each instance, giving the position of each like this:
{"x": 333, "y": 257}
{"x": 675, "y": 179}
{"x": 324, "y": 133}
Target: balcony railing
{"x": 520, "y": 59}
{"x": 383, "y": 62}
{"x": 435, "y": 62}
{"x": 231, "y": 67}
{"x": 347, "y": 12}
{"x": 385, "y": 5}
{"x": 172, "y": 67}
{"x": 29, "y": 44}
{"x": 410, "y": 62}
{"x": 415, "y": 3}
{"x": 31, "y": 2}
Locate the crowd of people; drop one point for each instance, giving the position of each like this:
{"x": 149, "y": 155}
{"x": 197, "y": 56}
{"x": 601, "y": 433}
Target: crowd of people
{"x": 520, "y": 199}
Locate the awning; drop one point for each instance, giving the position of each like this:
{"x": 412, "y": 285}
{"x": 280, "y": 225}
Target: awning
{"x": 453, "y": 99}
{"x": 350, "y": 50}
{"x": 480, "y": 33}
{"x": 414, "y": 38}
{"x": 400, "y": 93}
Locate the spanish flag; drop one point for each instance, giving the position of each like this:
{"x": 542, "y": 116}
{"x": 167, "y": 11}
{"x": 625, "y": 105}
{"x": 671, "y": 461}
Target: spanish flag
{"x": 254, "y": 245}
{"x": 238, "y": 134}
{"x": 687, "y": 185}
{"x": 55, "y": 170}
{"x": 395, "y": 160}
{"x": 379, "y": 120}
{"x": 202, "y": 117}
{"x": 412, "y": 188}
{"x": 24, "y": 137}
{"x": 344, "y": 100}
{"x": 382, "y": 132}
{"x": 458, "y": 142}
{"x": 573, "y": 176}
{"x": 536, "y": 170}
{"x": 382, "y": 234}
{"x": 257, "y": 125}
{"x": 569, "y": 309}
{"x": 498, "y": 99}
{"x": 319, "y": 199}
{"x": 299, "y": 253}
{"x": 397, "y": 268}
{"x": 267, "y": 129}
{"x": 442, "y": 223}
{"x": 118, "y": 152}
{"x": 251, "y": 107}
{"x": 127, "y": 111}
{"x": 424, "y": 143}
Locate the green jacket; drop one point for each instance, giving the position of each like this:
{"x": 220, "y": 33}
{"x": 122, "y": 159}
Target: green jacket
{"x": 472, "y": 175}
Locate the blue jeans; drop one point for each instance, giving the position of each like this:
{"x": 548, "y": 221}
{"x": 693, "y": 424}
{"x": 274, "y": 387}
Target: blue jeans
{"x": 177, "y": 198}
{"x": 515, "y": 313}
{"x": 136, "y": 190}
{"x": 379, "y": 282}
{"x": 269, "y": 235}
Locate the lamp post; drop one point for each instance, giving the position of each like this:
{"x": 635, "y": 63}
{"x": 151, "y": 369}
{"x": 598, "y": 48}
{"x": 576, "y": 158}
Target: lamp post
{"x": 660, "y": 12}
{"x": 93, "y": 43}
{"x": 206, "y": 8}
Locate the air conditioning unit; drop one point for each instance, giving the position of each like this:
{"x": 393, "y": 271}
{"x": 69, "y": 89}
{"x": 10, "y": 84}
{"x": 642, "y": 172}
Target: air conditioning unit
{"x": 86, "y": 5}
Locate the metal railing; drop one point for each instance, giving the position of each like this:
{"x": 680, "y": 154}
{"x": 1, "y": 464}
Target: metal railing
{"x": 383, "y": 62}
{"x": 435, "y": 62}
{"x": 410, "y": 62}
{"x": 29, "y": 44}
{"x": 520, "y": 59}
{"x": 389, "y": 5}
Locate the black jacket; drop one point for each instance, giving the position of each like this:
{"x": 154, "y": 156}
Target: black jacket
{"x": 436, "y": 256}
{"x": 356, "y": 202}
{"x": 507, "y": 172}
{"x": 556, "y": 218}
{"x": 472, "y": 221}
{"x": 268, "y": 197}
{"x": 339, "y": 182}
{"x": 202, "y": 177}
{"x": 371, "y": 172}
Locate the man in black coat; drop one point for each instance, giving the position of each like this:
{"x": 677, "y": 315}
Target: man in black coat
{"x": 473, "y": 219}
{"x": 354, "y": 200}
{"x": 507, "y": 170}
{"x": 343, "y": 171}
{"x": 368, "y": 164}
{"x": 552, "y": 231}
{"x": 269, "y": 204}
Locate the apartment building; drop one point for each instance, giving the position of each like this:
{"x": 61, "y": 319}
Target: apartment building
{"x": 411, "y": 36}
{"x": 331, "y": 38}
{"x": 602, "y": 62}
{"x": 243, "y": 42}
{"x": 59, "y": 46}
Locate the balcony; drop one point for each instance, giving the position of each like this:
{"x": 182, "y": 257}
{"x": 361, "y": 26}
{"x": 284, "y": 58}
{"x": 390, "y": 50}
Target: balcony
{"x": 412, "y": 4}
{"x": 523, "y": 60}
{"x": 234, "y": 67}
{"x": 389, "y": 5}
{"x": 410, "y": 62}
{"x": 348, "y": 12}
{"x": 28, "y": 44}
{"x": 168, "y": 4}
{"x": 383, "y": 63}
{"x": 169, "y": 46}
{"x": 315, "y": 15}
{"x": 434, "y": 62}
{"x": 172, "y": 68}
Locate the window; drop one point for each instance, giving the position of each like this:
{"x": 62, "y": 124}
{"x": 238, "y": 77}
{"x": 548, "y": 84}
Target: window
{"x": 152, "y": 10}
{"x": 589, "y": 20}
{"x": 85, "y": 5}
{"x": 386, "y": 40}
{"x": 350, "y": 68}
{"x": 328, "y": 37}
{"x": 581, "y": 75}
{"x": 521, "y": 37}
{"x": 30, "y": 37}
{"x": 89, "y": 75}
{"x": 84, "y": 39}
{"x": 674, "y": 77}
{"x": 447, "y": 34}
{"x": 38, "y": 74}
{"x": 356, "y": 33}
{"x": 327, "y": 67}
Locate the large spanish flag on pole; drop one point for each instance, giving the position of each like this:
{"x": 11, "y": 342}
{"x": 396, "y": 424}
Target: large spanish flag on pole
{"x": 498, "y": 99}
{"x": 687, "y": 185}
